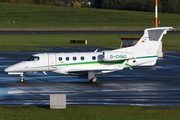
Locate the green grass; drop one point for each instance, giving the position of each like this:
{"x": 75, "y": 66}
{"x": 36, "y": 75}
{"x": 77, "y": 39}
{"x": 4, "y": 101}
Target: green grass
{"x": 89, "y": 113}
{"x": 171, "y": 42}
{"x": 171, "y": 39}
{"x": 7, "y": 42}
{"x": 41, "y": 17}
{"x": 58, "y": 39}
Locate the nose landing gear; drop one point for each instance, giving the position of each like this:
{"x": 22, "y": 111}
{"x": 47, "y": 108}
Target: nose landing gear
{"x": 21, "y": 79}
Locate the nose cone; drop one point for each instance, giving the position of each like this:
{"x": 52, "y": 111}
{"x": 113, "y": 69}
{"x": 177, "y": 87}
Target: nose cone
{"x": 10, "y": 69}
{"x": 19, "y": 67}
{"x": 13, "y": 68}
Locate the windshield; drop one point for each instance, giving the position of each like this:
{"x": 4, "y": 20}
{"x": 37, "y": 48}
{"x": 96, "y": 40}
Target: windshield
{"x": 33, "y": 58}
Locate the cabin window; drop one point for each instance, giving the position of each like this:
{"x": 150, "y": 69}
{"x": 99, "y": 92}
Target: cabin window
{"x": 74, "y": 58}
{"x": 33, "y": 58}
{"x": 60, "y": 58}
{"x": 82, "y": 58}
{"x": 93, "y": 57}
{"x": 67, "y": 58}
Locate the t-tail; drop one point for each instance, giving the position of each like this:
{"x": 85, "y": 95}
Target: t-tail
{"x": 150, "y": 41}
{"x": 144, "y": 53}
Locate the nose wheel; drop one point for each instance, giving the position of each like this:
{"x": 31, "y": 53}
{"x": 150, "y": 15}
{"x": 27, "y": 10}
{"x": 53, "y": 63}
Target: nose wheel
{"x": 21, "y": 79}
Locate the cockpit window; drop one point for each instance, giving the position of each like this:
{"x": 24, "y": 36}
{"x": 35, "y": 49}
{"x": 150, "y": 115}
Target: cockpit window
{"x": 33, "y": 58}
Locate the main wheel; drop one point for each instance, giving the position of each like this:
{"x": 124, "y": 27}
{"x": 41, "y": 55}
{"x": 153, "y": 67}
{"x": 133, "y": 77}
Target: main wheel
{"x": 94, "y": 80}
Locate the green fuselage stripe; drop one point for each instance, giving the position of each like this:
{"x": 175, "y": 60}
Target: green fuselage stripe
{"x": 95, "y": 62}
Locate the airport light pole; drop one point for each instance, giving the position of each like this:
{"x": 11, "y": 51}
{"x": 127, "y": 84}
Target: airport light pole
{"x": 156, "y": 13}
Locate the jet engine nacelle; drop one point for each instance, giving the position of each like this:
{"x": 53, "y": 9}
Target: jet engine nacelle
{"x": 113, "y": 56}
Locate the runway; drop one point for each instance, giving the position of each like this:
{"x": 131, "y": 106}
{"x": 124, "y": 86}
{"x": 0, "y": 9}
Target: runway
{"x": 158, "y": 85}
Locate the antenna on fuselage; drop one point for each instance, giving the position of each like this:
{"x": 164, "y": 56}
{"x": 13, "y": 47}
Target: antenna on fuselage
{"x": 96, "y": 50}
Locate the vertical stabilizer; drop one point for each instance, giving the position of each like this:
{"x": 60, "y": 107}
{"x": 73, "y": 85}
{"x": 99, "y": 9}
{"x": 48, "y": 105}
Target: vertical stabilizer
{"x": 150, "y": 41}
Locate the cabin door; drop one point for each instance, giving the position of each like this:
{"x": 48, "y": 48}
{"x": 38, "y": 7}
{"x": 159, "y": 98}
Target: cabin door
{"x": 52, "y": 62}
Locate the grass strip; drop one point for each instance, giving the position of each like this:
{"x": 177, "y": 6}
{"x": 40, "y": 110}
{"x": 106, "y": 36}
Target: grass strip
{"x": 8, "y": 42}
{"x": 15, "y": 16}
{"x": 89, "y": 113}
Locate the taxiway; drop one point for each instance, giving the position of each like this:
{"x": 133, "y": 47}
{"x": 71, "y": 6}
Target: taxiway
{"x": 158, "y": 85}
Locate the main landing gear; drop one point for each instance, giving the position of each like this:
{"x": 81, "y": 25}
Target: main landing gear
{"x": 21, "y": 79}
{"x": 92, "y": 78}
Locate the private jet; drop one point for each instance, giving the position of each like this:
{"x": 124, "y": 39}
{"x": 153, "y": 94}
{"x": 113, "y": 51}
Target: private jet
{"x": 91, "y": 64}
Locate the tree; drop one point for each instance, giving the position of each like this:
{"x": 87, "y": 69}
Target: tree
{"x": 150, "y": 6}
{"x": 66, "y": 2}
{"x": 77, "y": 4}
{"x": 96, "y": 3}
{"x": 57, "y": 2}
{"x": 171, "y": 6}
{"x": 83, "y": 3}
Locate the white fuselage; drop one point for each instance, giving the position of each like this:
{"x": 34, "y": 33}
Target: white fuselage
{"x": 67, "y": 63}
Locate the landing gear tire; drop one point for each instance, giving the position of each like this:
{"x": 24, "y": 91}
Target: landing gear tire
{"x": 21, "y": 79}
{"x": 94, "y": 80}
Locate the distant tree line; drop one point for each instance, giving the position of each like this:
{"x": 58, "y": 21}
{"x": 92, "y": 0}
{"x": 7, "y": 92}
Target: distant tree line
{"x": 165, "y": 6}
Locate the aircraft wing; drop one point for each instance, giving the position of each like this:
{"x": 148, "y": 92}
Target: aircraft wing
{"x": 121, "y": 67}
{"x": 89, "y": 70}
{"x": 85, "y": 72}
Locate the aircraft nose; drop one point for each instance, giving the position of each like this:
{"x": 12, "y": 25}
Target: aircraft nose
{"x": 9, "y": 69}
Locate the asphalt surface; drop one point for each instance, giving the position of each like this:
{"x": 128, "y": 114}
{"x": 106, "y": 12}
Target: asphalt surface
{"x": 158, "y": 85}
{"x": 79, "y": 32}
